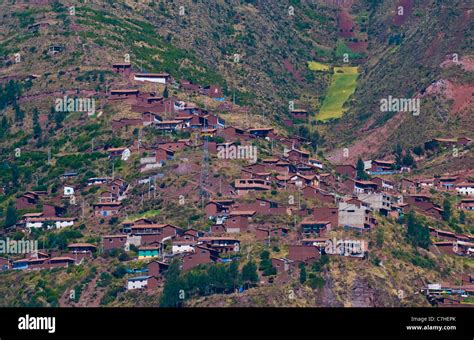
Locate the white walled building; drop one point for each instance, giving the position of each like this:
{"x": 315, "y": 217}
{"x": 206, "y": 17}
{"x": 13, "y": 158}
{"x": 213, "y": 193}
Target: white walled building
{"x": 138, "y": 282}
{"x": 52, "y": 222}
{"x": 465, "y": 189}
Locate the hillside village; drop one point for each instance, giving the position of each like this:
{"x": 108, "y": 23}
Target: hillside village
{"x": 287, "y": 198}
{"x": 156, "y": 190}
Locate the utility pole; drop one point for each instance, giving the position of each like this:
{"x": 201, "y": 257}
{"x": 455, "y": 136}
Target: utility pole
{"x": 299, "y": 200}
{"x": 149, "y": 189}
{"x": 139, "y": 139}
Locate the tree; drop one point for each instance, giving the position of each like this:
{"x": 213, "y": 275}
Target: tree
{"x": 234, "y": 277}
{"x": 462, "y": 217}
{"x": 408, "y": 159}
{"x": 446, "y": 210}
{"x": 165, "y": 92}
{"x": 316, "y": 281}
{"x": 361, "y": 174}
{"x": 302, "y": 273}
{"x": 11, "y": 215}
{"x": 418, "y": 150}
{"x": 59, "y": 117}
{"x": 15, "y": 175}
{"x": 265, "y": 255}
{"x": 249, "y": 273}
{"x": 171, "y": 296}
{"x": 398, "y": 153}
{"x": 4, "y": 126}
{"x": 36, "y": 125}
{"x": 19, "y": 113}
{"x": 417, "y": 233}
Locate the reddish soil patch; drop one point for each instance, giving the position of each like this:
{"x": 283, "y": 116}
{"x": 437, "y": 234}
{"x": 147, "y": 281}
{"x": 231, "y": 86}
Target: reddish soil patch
{"x": 295, "y": 73}
{"x": 368, "y": 143}
{"x": 346, "y": 24}
{"x": 407, "y": 9}
{"x": 462, "y": 95}
{"x": 358, "y": 47}
{"x": 466, "y": 63}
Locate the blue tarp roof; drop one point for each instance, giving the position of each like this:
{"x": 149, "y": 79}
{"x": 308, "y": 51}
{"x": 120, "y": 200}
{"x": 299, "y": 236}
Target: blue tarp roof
{"x": 139, "y": 278}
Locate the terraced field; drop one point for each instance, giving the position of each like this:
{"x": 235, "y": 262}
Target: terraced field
{"x": 342, "y": 86}
{"x": 317, "y": 66}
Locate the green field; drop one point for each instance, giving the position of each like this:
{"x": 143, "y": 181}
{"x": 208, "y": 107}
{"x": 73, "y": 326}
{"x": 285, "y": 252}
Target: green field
{"x": 343, "y": 85}
{"x": 317, "y": 66}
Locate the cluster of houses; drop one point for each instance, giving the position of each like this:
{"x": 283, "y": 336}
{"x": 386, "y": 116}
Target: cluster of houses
{"x": 160, "y": 243}
{"x": 76, "y": 253}
{"x": 337, "y": 198}
{"x": 451, "y": 243}
{"x": 451, "y": 295}
{"x": 112, "y": 191}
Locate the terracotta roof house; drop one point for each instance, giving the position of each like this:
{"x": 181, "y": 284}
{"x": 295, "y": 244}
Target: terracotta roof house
{"x": 202, "y": 255}
{"x": 29, "y": 199}
{"x": 346, "y": 170}
{"x": 262, "y": 132}
{"x": 330, "y": 214}
{"x": 162, "y": 231}
{"x": 301, "y": 253}
{"x": 236, "y": 224}
{"x": 312, "y": 192}
{"x": 310, "y": 225}
{"x": 379, "y": 165}
{"x": 221, "y": 244}
{"x": 364, "y": 186}
{"x": 81, "y": 248}
{"x": 245, "y": 186}
{"x": 296, "y": 155}
{"x": 467, "y": 204}
{"x": 122, "y": 67}
{"x": 156, "y": 268}
{"x": 407, "y": 185}
{"x": 123, "y": 94}
{"x": 110, "y": 242}
{"x": 282, "y": 264}
{"x": 218, "y": 207}
{"x": 261, "y": 207}
{"x": 300, "y": 114}
{"x": 107, "y": 209}
{"x": 264, "y": 233}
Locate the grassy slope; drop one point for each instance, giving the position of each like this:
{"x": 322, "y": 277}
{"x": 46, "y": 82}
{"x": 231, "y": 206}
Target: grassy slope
{"x": 343, "y": 85}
